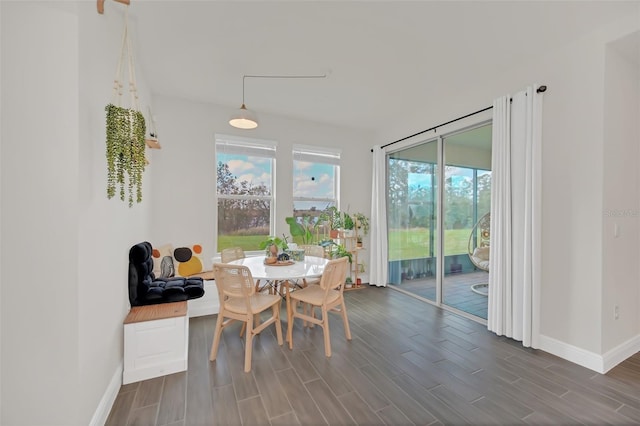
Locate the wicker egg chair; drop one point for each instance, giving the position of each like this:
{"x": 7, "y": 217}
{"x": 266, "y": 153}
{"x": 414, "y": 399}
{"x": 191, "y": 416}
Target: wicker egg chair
{"x": 478, "y": 250}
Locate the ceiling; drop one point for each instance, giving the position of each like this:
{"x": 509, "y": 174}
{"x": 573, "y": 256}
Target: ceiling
{"x": 382, "y": 59}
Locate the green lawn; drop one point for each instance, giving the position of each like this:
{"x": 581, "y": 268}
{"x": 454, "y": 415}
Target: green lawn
{"x": 247, "y": 242}
{"x": 403, "y": 243}
{"x": 414, "y": 243}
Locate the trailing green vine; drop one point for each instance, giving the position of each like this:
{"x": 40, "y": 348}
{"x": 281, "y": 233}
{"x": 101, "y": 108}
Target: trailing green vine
{"x": 125, "y": 152}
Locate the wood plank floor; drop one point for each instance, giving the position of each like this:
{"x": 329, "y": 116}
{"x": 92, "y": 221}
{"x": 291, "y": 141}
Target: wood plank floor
{"x": 408, "y": 363}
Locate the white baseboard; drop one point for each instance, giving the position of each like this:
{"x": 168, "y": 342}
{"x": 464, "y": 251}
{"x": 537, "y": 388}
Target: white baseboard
{"x": 106, "y": 403}
{"x": 621, "y": 352}
{"x": 583, "y": 357}
{"x": 591, "y": 360}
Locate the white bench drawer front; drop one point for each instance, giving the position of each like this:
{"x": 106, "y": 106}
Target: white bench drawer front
{"x": 155, "y": 348}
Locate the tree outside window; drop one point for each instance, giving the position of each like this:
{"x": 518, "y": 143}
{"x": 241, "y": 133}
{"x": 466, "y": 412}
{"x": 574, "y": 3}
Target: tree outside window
{"x": 244, "y": 192}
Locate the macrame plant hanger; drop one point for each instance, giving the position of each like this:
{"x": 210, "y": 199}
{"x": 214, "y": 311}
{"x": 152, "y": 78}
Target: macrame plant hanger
{"x": 126, "y": 129}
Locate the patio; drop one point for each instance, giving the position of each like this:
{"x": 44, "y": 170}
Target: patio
{"x": 457, "y": 291}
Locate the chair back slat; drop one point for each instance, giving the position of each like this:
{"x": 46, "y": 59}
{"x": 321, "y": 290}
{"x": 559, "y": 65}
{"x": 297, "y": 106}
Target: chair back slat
{"x": 313, "y": 250}
{"x": 233, "y": 280}
{"x": 334, "y": 275}
{"x": 232, "y": 253}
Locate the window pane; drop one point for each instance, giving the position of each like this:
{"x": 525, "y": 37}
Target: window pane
{"x": 244, "y": 193}
{"x": 314, "y": 180}
{"x": 484, "y": 192}
{"x": 243, "y": 223}
{"x": 244, "y": 174}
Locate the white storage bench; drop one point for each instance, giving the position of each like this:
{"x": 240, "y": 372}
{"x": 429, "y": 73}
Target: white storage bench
{"x": 156, "y": 341}
{"x": 207, "y": 304}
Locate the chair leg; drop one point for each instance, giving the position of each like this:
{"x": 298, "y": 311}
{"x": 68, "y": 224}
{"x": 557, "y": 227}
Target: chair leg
{"x": 312, "y": 314}
{"x": 216, "y": 336}
{"x": 325, "y": 331}
{"x": 248, "y": 345}
{"x": 345, "y": 320}
{"x": 305, "y": 310}
{"x": 290, "y": 323}
{"x": 278, "y": 324}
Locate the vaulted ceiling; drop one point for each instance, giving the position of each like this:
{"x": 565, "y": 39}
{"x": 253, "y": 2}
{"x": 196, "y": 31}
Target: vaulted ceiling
{"x": 382, "y": 58}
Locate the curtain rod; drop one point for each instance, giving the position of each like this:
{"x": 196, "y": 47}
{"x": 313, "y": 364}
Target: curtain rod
{"x": 540, "y": 89}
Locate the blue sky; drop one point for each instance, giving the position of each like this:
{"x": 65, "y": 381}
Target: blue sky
{"x": 313, "y": 180}
{"x": 256, "y": 170}
{"x": 309, "y": 179}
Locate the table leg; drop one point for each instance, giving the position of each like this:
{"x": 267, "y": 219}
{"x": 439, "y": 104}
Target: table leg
{"x": 289, "y": 315}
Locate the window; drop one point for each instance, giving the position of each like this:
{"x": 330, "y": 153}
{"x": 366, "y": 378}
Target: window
{"x": 316, "y": 179}
{"x": 245, "y": 181}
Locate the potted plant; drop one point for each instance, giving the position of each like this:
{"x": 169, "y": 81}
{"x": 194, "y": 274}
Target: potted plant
{"x": 362, "y": 222}
{"x": 272, "y": 244}
{"x": 303, "y": 228}
{"x": 348, "y": 282}
{"x": 332, "y": 216}
{"x": 361, "y": 270}
{"x": 347, "y": 223}
{"x": 337, "y": 250}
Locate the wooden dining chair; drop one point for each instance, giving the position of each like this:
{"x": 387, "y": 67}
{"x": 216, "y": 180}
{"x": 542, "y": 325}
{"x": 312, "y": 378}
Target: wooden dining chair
{"x": 328, "y": 297}
{"x": 234, "y": 253}
{"x": 231, "y": 253}
{"x": 240, "y": 302}
{"x": 312, "y": 250}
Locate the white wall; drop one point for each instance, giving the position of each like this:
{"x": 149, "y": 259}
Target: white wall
{"x": 621, "y": 197}
{"x": 183, "y": 171}
{"x": 64, "y": 246}
{"x": 39, "y": 215}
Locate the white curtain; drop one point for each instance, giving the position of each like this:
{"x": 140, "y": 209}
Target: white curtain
{"x": 378, "y": 260}
{"x": 514, "y": 261}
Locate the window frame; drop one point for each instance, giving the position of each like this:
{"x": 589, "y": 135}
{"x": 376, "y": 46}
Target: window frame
{"x": 321, "y": 155}
{"x": 230, "y": 144}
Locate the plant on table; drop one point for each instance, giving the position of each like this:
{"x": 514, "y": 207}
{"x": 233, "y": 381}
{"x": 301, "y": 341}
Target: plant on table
{"x": 279, "y": 243}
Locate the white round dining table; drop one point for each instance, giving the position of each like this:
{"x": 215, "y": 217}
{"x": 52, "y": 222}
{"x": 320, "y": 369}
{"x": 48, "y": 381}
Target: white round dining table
{"x": 310, "y": 267}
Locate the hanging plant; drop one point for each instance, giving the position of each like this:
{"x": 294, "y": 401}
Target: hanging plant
{"x": 126, "y": 131}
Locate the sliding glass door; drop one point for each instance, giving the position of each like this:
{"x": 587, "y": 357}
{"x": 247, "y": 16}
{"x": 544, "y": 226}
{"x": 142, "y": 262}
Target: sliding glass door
{"x": 448, "y": 177}
{"x": 412, "y": 214}
{"x": 466, "y": 199}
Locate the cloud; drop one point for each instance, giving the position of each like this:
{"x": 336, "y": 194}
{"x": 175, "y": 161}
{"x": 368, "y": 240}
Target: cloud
{"x": 303, "y": 165}
{"x": 238, "y": 167}
{"x": 325, "y": 178}
{"x": 264, "y": 178}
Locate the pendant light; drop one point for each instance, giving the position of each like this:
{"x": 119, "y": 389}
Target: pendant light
{"x": 246, "y": 119}
{"x": 243, "y": 118}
